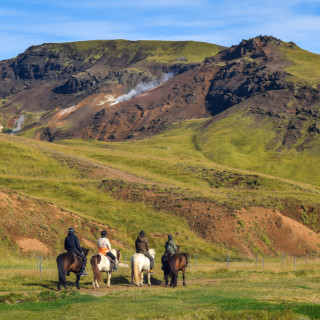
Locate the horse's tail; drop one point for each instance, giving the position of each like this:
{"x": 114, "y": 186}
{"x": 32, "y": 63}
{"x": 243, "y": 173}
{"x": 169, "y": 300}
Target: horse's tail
{"x": 61, "y": 271}
{"x": 172, "y": 269}
{"x": 94, "y": 264}
{"x": 136, "y": 271}
{"x": 187, "y": 258}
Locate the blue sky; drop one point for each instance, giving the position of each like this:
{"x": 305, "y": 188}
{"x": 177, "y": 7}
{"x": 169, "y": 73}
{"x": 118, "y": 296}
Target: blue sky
{"x": 30, "y": 22}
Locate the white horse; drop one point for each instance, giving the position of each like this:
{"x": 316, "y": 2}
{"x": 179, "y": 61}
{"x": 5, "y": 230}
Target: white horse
{"x": 100, "y": 263}
{"x": 140, "y": 263}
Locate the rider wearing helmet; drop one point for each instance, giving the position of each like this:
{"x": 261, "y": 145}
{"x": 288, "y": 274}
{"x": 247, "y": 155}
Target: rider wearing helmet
{"x": 170, "y": 246}
{"x": 72, "y": 245}
{"x": 142, "y": 246}
{"x": 104, "y": 247}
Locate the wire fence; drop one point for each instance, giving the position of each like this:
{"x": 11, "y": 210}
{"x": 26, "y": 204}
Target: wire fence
{"x": 44, "y": 267}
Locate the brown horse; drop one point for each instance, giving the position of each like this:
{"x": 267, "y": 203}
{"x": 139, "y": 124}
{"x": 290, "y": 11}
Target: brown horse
{"x": 178, "y": 262}
{"x": 165, "y": 266}
{"x": 69, "y": 262}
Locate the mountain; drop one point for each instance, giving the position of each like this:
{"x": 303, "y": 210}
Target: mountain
{"x": 51, "y": 78}
{"x": 59, "y": 91}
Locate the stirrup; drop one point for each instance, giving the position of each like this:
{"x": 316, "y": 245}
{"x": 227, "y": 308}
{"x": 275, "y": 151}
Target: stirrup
{"x": 83, "y": 274}
{"x": 151, "y": 271}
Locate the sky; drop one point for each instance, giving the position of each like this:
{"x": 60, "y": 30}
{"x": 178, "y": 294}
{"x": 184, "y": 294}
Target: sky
{"x": 24, "y": 23}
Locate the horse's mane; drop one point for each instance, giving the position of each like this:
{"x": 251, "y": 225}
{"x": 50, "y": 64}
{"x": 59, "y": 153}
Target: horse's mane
{"x": 152, "y": 252}
{"x": 85, "y": 250}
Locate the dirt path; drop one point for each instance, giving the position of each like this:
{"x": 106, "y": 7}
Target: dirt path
{"x": 98, "y": 292}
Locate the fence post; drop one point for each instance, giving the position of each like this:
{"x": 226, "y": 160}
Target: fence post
{"x": 196, "y": 260}
{"x": 228, "y": 262}
{"x": 262, "y": 262}
{"x": 256, "y": 259}
{"x": 294, "y": 261}
{"x": 40, "y": 267}
{"x": 37, "y": 263}
{"x": 282, "y": 258}
{"x": 307, "y": 258}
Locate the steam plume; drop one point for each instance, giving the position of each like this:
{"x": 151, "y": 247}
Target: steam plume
{"x": 142, "y": 87}
{"x": 18, "y": 123}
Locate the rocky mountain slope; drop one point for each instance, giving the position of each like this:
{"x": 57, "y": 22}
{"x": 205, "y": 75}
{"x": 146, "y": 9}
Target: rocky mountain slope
{"x": 80, "y": 92}
{"x": 50, "y": 78}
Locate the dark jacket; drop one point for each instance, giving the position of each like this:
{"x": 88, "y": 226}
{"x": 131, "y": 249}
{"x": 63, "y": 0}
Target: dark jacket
{"x": 170, "y": 247}
{"x": 142, "y": 245}
{"x": 71, "y": 244}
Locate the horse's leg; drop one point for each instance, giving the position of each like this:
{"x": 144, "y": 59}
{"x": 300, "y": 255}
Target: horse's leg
{"x": 171, "y": 277}
{"x": 131, "y": 276}
{"x": 175, "y": 279}
{"x": 166, "y": 277}
{"x": 141, "y": 278}
{"x": 149, "y": 282}
{"x": 77, "y": 281}
{"x": 109, "y": 279}
{"x": 184, "y": 276}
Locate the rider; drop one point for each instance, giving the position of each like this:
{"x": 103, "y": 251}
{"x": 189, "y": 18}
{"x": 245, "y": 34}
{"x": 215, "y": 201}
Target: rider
{"x": 170, "y": 246}
{"x": 170, "y": 249}
{"x": 104, "y": 247}
{"x": 142, "y": 246}
{"x": 72, "y": 245}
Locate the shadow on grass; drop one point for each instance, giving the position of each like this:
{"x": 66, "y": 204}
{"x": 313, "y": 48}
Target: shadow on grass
{"x": 117, "y": 280}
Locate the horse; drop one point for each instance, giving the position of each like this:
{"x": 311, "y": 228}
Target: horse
{"x": 165, "y": 266}
{"x": 101, "y": 263}
{"x": 178, "y": 262}
{"x": 69, "y": 262}
{"x": 140, "y": 263}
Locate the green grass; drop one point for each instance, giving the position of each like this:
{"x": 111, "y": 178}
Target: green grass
{"x": 158, "y": 51}
{"x": 217, "y": 294}
{"x": 305, "y": 66}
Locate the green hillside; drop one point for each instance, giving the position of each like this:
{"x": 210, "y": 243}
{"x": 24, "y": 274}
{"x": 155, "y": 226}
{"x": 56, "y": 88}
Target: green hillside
{"x": 133, "y": 51}
{"x": 304, "y": 65}
{"x": 186, "y": 162}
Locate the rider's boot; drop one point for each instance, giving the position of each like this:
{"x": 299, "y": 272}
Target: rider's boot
{"x": 83, "y": 270}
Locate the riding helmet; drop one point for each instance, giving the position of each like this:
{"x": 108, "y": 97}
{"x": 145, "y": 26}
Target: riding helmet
{"x": 170, "y": 237}
{"x": 104, "y": 233}
{"x": 70, "y": 231}
{"x": 142, "y": 233}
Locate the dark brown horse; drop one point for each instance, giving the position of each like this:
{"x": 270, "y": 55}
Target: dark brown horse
{"x": 72, "y": 263}
{"x": 178, "y": 262}
{"x": 165, "y": 266}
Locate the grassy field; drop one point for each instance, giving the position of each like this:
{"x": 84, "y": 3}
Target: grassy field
{"x": 70, "y": 174}
{"x": 245, "y": 291}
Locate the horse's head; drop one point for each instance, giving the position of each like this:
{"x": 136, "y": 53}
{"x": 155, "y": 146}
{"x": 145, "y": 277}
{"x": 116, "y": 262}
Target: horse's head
{"x": 178, "y": 249}
{"x": 152, "y": 252}
{"x": 85, "y": 251}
